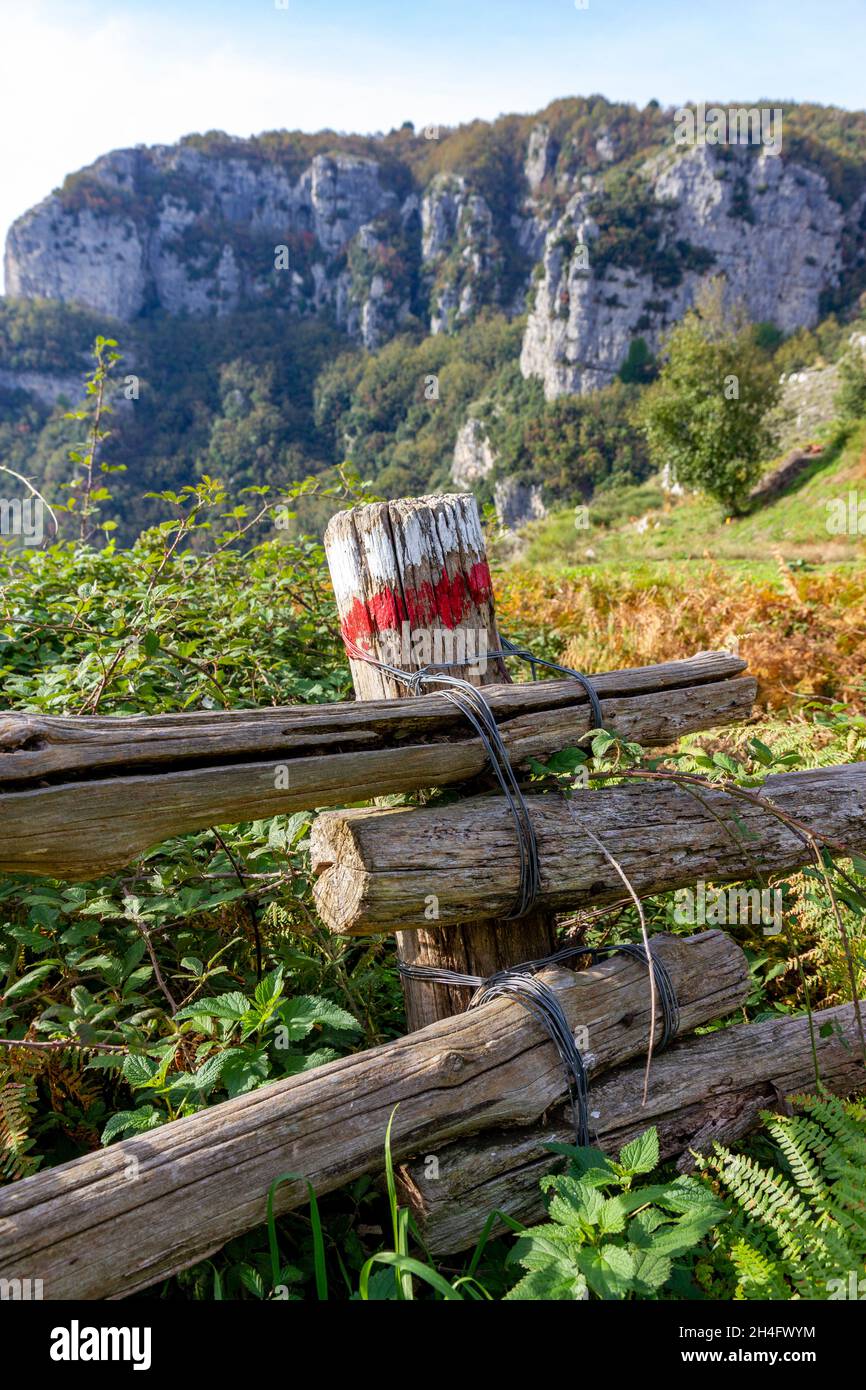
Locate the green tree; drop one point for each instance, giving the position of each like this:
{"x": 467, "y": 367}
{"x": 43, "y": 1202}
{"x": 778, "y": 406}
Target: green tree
{"x": 706, "y": 415}
{"x": 639, "y": 366}
{"x": 850, "y": 400}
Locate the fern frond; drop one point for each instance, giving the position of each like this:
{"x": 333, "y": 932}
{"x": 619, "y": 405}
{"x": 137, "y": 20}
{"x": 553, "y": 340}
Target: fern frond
{"x": 17, "y": 1108}
{"x": 805, "y": 1146}
{"x": 758, "y": 1275}
{"x": 846, "y": 1122}
{"x": 799, "y": 1232}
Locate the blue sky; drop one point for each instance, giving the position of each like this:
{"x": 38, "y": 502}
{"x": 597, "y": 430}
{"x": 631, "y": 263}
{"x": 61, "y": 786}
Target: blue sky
{"x": 78, "y": 78}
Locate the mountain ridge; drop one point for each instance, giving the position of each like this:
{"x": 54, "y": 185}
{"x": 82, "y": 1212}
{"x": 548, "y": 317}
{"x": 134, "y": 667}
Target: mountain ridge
{"x": 588, "y": 214}
{"x": 416, "y": 301}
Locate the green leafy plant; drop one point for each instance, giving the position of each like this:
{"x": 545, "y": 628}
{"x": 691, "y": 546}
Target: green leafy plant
{"x": 706, "y": 414}
{"x": 86, "y": 497}
{"x": 850, "y": 399}
{"x": 606, "y": 1235}
{"x": 239, "y": 1042}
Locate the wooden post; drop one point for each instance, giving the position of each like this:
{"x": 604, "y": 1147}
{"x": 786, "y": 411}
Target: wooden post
{"x": 413, "y": 587}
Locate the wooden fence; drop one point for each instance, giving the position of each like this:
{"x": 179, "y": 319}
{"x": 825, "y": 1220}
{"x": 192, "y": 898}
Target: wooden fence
{"x": 483, "y": 1090}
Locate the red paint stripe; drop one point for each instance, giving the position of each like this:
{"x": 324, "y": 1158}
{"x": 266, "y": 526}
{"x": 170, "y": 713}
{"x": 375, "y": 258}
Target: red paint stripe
{"x": 444, "y": 604}
{"x": 480, "y": 583}
{"x": 383, "y": 612}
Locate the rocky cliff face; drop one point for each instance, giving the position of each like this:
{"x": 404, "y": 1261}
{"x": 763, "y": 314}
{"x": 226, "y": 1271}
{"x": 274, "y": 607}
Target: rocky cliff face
{"x": 770, "y": 228}
{"x": 474, "y": 457}
{"x": 203, "y": 229}
{"x": 189, "y": 233}
{"x": 457, "y": 250}
{"x": 516, "y": 502}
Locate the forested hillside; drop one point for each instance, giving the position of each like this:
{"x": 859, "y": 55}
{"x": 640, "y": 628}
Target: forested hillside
{"x": 505, "y": 289}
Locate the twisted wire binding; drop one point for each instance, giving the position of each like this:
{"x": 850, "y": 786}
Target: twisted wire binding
{"x": 471, "y": 703}
{"x": 520, "y": 982}
{"x": 509, "y": 649}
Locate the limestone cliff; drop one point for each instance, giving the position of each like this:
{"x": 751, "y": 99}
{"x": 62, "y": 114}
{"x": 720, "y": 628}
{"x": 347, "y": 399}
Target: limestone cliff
{"x": 769, "y": 227}
{"x": 184, "y": 231}
{"x": 589, "y": 216}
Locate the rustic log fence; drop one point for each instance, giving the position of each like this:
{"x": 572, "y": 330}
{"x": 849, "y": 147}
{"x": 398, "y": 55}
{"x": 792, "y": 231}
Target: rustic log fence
{"x": 376, "y": 868}
{"x": 83, "y": 796}
{"x": 115, "y": 1221}
{"x": 704, "y": 1089}
{"x": 483, "y": 1089}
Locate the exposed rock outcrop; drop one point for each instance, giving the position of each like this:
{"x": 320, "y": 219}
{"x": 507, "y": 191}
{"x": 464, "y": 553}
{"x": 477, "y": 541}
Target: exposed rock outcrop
{"x": 457, "y": 248}
{"x": 92, "y": 260}
{"x": 517, "y": 503}
{"x": 540, "y": 157}
{"x": 770, "y": 227}
{"x": 188, "y": 232}
{"x": 474, "y": 458}
{"x": 47, "y": 387}
{"x": 213, "y": 224}
{"x": 806, "y": 402}
{"x": 792, "y": 467}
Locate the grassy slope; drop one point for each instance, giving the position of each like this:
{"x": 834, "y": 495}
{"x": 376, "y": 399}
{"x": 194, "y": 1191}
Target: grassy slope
{"x": 695, "y": 529}
{"x": 776, "y": 586}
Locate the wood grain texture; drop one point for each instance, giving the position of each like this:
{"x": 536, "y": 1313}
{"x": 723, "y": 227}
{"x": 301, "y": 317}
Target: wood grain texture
{"x": 378, "y": 868}
{"x": 407, "y": 574}
{"x": 419, "y": 562}
{"x": 703, "y": 1090}
{"x": 34, "y": 747}
{"x": 116, "y": 1221}
{"x": 81, "y": 797}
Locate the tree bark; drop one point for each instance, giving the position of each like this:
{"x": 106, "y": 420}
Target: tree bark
{"x": 704, "y": 1090}
{"x": 113, "y": 1222}
{"x": 377, "y": 868}
{"x": 80, "y": 797}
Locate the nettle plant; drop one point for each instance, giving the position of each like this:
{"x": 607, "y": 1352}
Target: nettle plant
{"x": 201, "y": 970}
{"x": 200, "y": 976}
{"x": 609, "y": 1237}
{"x": 234, "y": 1042}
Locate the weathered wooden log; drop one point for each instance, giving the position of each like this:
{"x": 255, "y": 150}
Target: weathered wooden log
{"x": 406, "y": 574}
{"x": 379, "y": 870}
{"x": 704, "y": 1090}
{"x": 83, "y": 796}
{"x": 112, "y": 1222}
